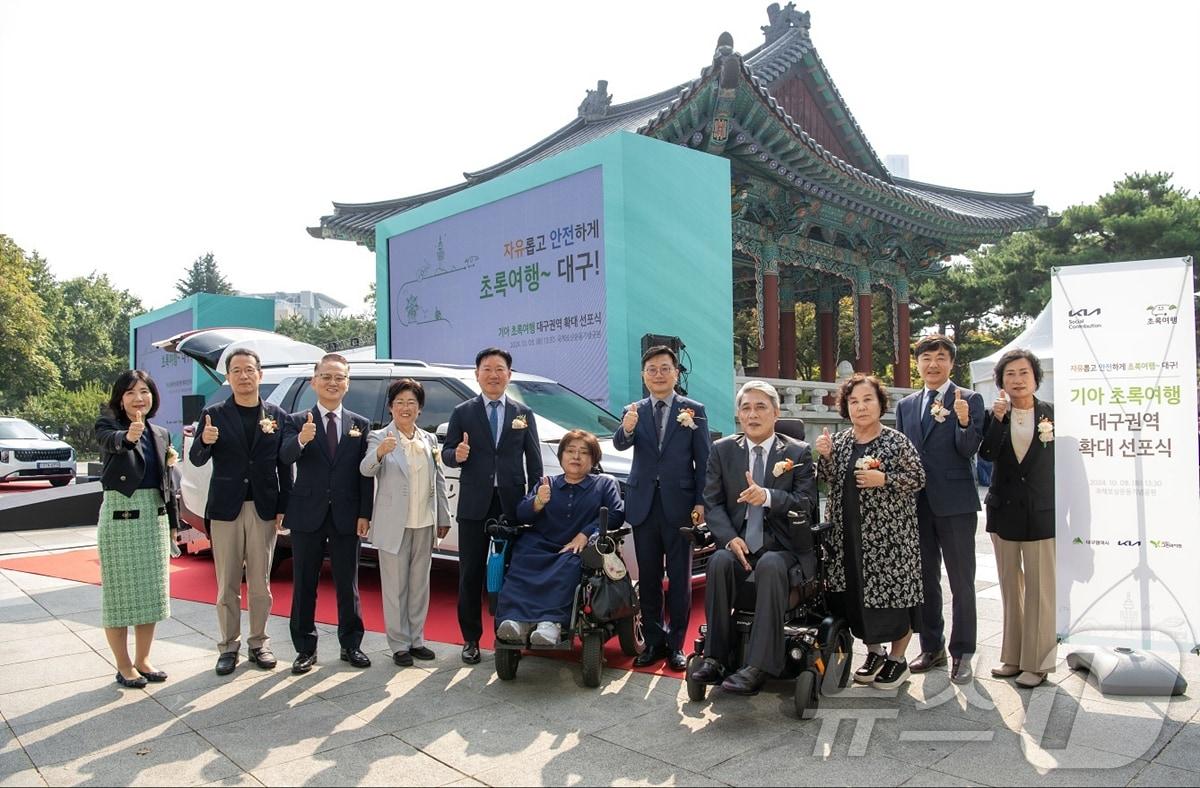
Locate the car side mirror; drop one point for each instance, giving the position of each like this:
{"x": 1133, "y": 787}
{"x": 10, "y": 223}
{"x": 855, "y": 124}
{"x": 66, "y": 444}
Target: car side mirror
{"x": 441, "y": 431}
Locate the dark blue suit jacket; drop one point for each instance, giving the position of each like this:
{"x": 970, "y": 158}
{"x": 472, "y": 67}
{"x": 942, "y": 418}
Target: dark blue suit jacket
{"x": 679, "y": 466}
{"x": 946, "y": 451}
{"x": 324, "y": 482}
{"x": 238, "y": 463}
{"x": 514, "y": 467}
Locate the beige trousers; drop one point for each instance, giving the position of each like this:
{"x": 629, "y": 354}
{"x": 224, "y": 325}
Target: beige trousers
{"x": 1027, "y": 592}
{"x": 404, "y": 583}
{"x": 245, "y": 543}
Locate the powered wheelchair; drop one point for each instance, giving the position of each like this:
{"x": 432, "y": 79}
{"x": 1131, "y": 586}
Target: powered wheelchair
{"x": 817, "y": 641}
{"x": 587, "y": 623}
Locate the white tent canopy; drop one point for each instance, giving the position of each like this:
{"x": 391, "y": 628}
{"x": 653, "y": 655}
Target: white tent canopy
{"x": 1039, "y": 338}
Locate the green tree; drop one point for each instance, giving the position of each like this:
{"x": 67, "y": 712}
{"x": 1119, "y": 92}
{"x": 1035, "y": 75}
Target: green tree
{"x": 203, "y": 276}
{"x": 71, "y": 414}
{"x": 331, "y": 333}
{"x": 25, "y": 365}
{"x": 369, "y": 300}
{"x": 90, "y": 339}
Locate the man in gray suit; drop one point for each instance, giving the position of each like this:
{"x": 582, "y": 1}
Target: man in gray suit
{"x": 754, "y": 479}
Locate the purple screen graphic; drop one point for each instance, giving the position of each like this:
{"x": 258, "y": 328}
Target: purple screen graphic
{"x": 172, "y": 372}
{"x": 524, "y": 273}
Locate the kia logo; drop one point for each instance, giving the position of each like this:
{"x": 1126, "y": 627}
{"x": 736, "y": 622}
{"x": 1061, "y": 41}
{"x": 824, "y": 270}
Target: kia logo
{"x": 1083, "y": 312}
{"x": 1129, "y": 543}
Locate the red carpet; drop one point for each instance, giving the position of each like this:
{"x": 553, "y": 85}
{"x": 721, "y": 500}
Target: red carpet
{"x": 192, "y": 578}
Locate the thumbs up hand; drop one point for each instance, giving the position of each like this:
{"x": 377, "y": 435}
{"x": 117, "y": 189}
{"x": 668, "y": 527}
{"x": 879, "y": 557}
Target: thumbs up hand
{"x": 543, "y": 494}
{"x": 210, "y": 434}
{"x": 1000, "y": 406}
{"x": 824, "y": 445}
{"x": 308, "y": 431}
{"x": 630, "y": 419}
{"x": 961, "y": 409}
{"x": 753, "y": 494}
{"x": 136, "y": 428}
{"x": 463, "y": 450}
{"x": 387, "y": 445}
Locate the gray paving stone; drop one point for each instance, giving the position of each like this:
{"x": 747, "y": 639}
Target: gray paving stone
{"x": 1159, "y": 774}
{"x": 790, "y": 761}
{"x": 94, "y": 635}
{"x": 13, "y": 759}
{"x": 54, "y": 670}
{"x": 1010, "y": 759}
{"x": 929, "y": 777}
{"x": 589, "y": 761}
{"x": 31, "y": 628}
{"x": 72, "y": 599}
{"x": 182, "y": 759}
{"x": 30, "y": 582}
{"x": 74, "y": 737}
{"x": 1183, "y": 750}
{"x": 258, "y": 742}
{"x": 243, "y": 780}
{"x": 199, "y": 673}
{"x": 20, "y": 609}
{"x": 70, "y": 699}
{"x": 31, "y": 649}
{"x": 260, "y": 693}
{"x": 383, "y": 760}
{"x": 406, "y": 704}
{"x": 29, "y": 777}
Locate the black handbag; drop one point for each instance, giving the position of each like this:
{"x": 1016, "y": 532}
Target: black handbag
{"x": 610, "y": 591}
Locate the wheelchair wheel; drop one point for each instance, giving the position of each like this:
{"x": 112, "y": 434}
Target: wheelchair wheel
{"x": 631, "y": 635}
{"x": 805, "y": 694}
{"x": 836, "y": 655}
{"x": 507, "y": 660}
{"x": 593, "y": 658}
{"x": 695, "y": 690}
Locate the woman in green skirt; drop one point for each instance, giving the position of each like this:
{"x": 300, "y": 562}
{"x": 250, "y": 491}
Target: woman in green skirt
{"x": 136, "y": 518}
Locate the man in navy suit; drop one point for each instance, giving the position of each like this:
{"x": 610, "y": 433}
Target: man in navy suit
{"x": 330, "y": 506}
{"x": 670, "y": 440}
{"x": 945, "y": 423}
{"x": 494, "y": 441}
{"x": 247, "y": 497}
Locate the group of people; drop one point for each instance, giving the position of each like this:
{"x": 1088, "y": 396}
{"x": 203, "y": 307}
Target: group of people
{"x": 902, "y": 502}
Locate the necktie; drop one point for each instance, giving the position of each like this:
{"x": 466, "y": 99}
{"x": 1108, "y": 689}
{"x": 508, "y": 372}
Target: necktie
{"x": 660, "y": 412}
{"x": 331, "y": 433}
{"x": 754, "y": 517}
{"x": 494, "y": 416}
{"x": 927, "y": 412}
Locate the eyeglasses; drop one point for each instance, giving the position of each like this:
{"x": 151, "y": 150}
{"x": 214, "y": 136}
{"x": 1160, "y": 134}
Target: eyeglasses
{"x": 658, "y": 371}
{"x": 576, "y": 453}
{"x": 327, "y": 377}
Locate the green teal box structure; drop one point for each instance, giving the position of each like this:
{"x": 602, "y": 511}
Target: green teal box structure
{"x": 567, "y": 263}
{"x": 176, "y": 375}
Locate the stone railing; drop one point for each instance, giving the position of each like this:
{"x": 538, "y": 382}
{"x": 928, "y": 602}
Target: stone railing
{"x": 806, "y": 399}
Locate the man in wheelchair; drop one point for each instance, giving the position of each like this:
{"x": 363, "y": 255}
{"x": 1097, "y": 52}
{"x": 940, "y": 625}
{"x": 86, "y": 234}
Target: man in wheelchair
{"x": 754, "y": 479}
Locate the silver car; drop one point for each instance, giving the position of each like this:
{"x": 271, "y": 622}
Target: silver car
{"x": 28, "y": 454}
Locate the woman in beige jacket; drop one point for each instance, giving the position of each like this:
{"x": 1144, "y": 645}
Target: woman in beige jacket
{"x": 410, "y": 508}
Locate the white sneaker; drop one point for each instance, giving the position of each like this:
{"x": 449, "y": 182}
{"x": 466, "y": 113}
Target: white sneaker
{"x": 547, "y": 633}
{"x": 513, "y": 631}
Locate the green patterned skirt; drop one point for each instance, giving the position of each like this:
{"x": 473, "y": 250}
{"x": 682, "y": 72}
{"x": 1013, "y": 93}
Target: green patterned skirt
{"x": 134, "y": 559}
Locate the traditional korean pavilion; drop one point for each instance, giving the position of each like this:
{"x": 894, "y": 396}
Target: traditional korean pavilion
{"x": 815, "y": 215}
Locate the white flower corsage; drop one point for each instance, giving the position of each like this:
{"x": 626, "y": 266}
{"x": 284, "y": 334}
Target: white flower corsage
{"x": 1045, "y": 430}
{"x": 868, "y": 463}
{"x": 687, "y": 417}
{"x": 172, "y": 457}
{"x": 268, "y": 425}
{"x": 519, "y": 423}
{"x": 782, "y": 467}
{"x": 355, "y": 432}
{"x": 938, "y": 412}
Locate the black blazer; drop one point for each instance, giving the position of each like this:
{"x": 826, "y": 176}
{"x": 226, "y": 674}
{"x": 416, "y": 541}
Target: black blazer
{"x": 324, "y": 482}
{"x": 238, "y": 463}
{"x": 514, "y": 467}
{"x": 125, "y": 465}
{"x": 1020, "y": 502}
{"x": 792, "y": 491}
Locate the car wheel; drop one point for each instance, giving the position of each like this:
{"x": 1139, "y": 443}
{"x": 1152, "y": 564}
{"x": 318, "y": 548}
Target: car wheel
{"x": 60, "y": 482}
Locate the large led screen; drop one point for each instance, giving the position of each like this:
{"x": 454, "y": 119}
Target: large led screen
{"x": 524, "y": 273}
{"x": 172, "y": 372}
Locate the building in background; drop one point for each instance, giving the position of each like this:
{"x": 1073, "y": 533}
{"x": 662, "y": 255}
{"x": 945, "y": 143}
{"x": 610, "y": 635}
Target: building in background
{"x": 897, "y": 164}
{"x": 308, "y": 305}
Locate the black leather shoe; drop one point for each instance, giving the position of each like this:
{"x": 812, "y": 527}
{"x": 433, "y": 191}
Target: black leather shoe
{"x": 960, "y": 670}
{"x": 420, "y": 652}
{"x": 677, "y": 660}
{"x": 928, "y": 660}
{"x": 470, "y": 652}
{"x": 304, "y": 663}
{"x": 264, "y": 658}
{"x": 152, "y": 675}
{"x": 227, "y": 662}
{"x": 356, "y": 657}
{"x": 710, "y": 672}
{"x": 403, "y": 659}
{"x": 137, "y": 683}
{"x": 649, "y": 656}
{"x": 747, "y": 681}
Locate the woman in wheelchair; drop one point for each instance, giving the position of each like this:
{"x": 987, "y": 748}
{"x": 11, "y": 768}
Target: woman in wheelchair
{"x": 874, "y": 474}
{"x": 539, "y": 588}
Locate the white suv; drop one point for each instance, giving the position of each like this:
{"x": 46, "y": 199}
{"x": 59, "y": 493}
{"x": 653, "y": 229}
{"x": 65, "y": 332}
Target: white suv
{"x": 557, "y": 407}
{"x": 28, "y": 454}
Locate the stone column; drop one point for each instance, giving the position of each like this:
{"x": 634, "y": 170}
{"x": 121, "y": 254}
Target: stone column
{"x": 768, "y": 355}
{"x": 787, "y": 328}
{"x": 903, "y": 340}
{"x": 827, "y": 330}
{"x": 862, "y": 294}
